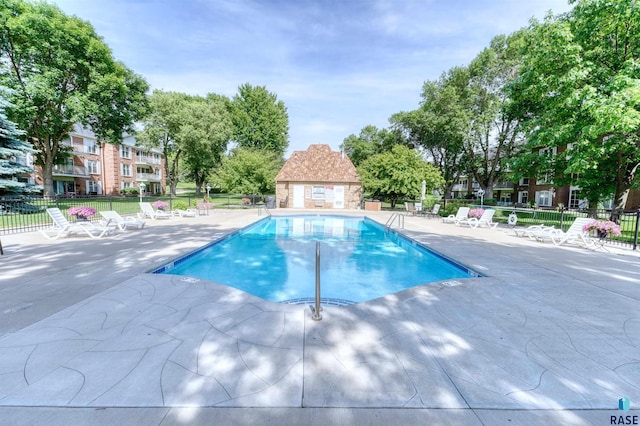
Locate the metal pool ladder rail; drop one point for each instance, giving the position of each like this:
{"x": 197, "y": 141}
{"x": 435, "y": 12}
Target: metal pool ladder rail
{"x": 396, "y": 216}
{"x": 316, "y": 310}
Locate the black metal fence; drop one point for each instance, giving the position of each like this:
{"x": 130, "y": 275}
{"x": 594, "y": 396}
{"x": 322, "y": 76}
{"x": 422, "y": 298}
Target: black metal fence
{"x": 561, "y": 218}
{"x": 26, "y": 213}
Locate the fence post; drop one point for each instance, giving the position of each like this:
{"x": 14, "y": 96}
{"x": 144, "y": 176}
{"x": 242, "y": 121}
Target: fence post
{"x": 111, "y": 202}
{"x": 635, "y": 236}
{"x": 57, "y": 198}
{"x": 561, "y": 216}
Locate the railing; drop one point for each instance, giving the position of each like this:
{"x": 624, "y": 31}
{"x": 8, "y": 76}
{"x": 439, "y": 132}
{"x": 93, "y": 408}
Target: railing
{"x": 148, "y": 160}
{"x": 70, "y": 170}
{"x": 264, "y": 208}
{"x": 563, "y": 218}
{"x": 396, "y": 216}
{"x": 315, "y": 311}
{"x": 149, "y": 176}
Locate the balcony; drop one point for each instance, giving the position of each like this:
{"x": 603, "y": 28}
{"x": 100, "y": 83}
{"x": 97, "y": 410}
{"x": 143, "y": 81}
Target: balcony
{"x": 503, "y": 186}
{"x": 68, "y": 170}
{"x": 141, "y": 159}
{"x": 151, "y": 177}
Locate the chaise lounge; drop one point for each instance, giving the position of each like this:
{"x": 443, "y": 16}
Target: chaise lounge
{"x": 62, "y": 227}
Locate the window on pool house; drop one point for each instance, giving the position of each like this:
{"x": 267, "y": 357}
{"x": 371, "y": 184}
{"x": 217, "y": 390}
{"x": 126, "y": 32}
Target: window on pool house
{"x": 318, "y": 193}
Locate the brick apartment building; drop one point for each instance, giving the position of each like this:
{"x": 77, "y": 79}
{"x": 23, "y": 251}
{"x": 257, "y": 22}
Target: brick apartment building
{"x": 106, "y": 169}
{"x": 541, "y": 191}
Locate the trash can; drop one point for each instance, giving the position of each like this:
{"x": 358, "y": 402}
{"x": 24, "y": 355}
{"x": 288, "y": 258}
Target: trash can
{"x": 270, "y": 201}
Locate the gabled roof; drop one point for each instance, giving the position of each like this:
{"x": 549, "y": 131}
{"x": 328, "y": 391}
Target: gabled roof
{"x": 318, "y": 164}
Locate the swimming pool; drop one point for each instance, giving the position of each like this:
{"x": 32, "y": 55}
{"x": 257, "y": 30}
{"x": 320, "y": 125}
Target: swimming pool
{"x": 275, "y": 259}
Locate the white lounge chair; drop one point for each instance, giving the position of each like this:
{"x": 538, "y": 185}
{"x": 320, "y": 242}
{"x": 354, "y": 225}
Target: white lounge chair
{"x": 534, "y": 232}
{"x": 485, "y": 220}
{"x": 574, "y": 233}
{"x": 185, "y": 213}
{"x": 62, "y": 227}
{"x": 122, "y": 222}
{"x": 462, "y": 213}
{"x": 150, "y": 212}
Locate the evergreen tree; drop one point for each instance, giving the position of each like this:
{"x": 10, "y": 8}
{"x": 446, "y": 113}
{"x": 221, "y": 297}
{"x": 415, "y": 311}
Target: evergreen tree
{"x": 13, "y": 153}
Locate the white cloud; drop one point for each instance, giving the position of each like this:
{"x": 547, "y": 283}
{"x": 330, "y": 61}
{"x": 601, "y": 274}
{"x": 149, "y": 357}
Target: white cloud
{"x": 338, "y": 66}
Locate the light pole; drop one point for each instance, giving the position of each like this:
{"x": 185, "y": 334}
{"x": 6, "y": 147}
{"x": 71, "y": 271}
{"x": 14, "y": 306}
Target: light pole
{"x": 208, "y": 189}
{"x": 481, "y": 194}
{"x": 141, "y": 187}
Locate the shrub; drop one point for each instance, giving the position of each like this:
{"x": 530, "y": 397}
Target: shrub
{"x": 129, "y": 191}
{"x": 180, "y": 205}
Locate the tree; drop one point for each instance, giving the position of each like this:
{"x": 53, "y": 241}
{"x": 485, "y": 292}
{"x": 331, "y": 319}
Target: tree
{"x": 249, "y": 171}
{"x": 62, "y": 73}
{"x": 580, "y": 88}
{"x": 398, "y": 173}
{"x": 260, "y": 120}
{"x": 192, "y": 132}
{"x": 441, "y": 124}
{"x": 11, "y": 151}
{"x": 370, "y": 141}
{"x": 493, "y": 134}
{"x": 205, "y": 133}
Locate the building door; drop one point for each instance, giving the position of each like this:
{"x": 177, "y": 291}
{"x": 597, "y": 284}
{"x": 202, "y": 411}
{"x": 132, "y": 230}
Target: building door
{"x": 338, "y": 202}
{"x": 298, "y": 196}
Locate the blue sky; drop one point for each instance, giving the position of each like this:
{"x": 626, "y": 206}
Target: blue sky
{"x": 337, "y": 65}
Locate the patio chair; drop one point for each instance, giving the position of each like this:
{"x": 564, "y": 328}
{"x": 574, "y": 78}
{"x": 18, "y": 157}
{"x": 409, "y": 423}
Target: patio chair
{"x": 574, "y": 233}
{"x": 410, "y": 208}
{"x": 486, "y": 219}
{"x": 149, "y": 211}
{"x": 462, "y": 213}
{"x": 418, "y": 209}
{"x": 284, "y": 203}
{"x": 122, "y": 222}
{"x": 434, "y": 211}
{"x": 202, "y": 207}
{"x": 62, "y": 227}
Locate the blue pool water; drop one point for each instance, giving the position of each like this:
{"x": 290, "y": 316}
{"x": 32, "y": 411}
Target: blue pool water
{"x": 275, "y": 259}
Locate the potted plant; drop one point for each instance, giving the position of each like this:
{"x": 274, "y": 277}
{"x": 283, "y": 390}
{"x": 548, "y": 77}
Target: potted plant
{"x": 602, "y": 228}
{"x": 160, "y": 205}
{"x": 477, "y": 213}
{"x": 81, "y": 212}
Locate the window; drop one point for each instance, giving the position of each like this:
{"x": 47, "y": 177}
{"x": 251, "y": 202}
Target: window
{"x": 127, "y": 185}
{"x": 126, "y": 170}
{"x": 524, "y": 182}
{"x": 523, "y": 197}
{"x": 125, "y": 151}
{"x": 91, "y": 147}
{"x": 93, "y": 167}
{"x": 93, "y": 187}
{"x": 543, "y": 198}
{"x": 318, "y": 193}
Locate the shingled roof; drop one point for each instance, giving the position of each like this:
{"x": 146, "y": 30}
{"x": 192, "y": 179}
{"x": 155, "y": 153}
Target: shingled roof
{"x": 318, "y": 164}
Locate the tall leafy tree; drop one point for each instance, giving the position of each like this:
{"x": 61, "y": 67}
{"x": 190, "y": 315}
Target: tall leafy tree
{"x": 192, "y": 132}
{"x": 441, "y": 124}
{"x": 249, "y": 171}
{"x": 370, "y": 141}
{"x": 205, "y": 135}
{"x": 63, "y": 73}
{"x": 494, "y": 134}
{"x": 12, "y": 153}
{"x": 398, "y": 173}
{"x": 260, "y": 120}
{"x": 580, "y": 88}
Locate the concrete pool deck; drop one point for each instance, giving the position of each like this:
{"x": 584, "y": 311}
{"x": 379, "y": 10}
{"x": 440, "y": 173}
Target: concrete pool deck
{"x": 550, "y": 336}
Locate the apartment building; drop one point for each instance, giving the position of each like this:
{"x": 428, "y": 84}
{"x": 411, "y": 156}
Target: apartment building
{"x": 106, "y": 169}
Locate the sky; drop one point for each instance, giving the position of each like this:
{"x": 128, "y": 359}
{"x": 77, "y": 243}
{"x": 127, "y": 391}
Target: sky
{"x": 338, "y": 66}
